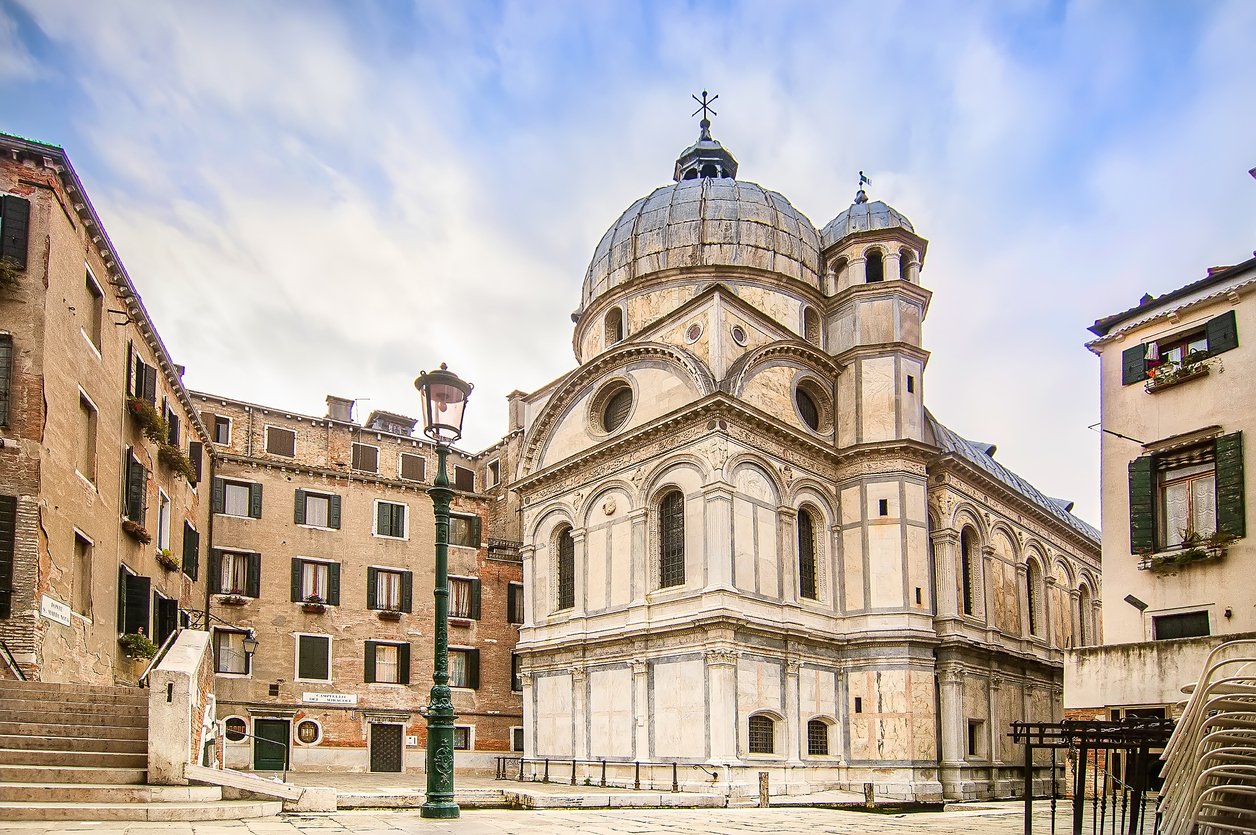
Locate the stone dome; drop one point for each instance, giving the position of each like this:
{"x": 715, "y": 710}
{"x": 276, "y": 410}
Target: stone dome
{"x": 863, "y": 216}
{"x": 706, "y": 221}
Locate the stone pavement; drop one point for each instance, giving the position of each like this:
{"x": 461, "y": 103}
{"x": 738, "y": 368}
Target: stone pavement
{"x": 979, "y": 819}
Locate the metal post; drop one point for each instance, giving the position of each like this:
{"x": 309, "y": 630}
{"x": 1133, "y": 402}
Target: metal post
{"x": 1079, "y": 787}
{"x": 546, "y": 780}
{"x": 440, "y": 711}
{"x": 675, "y": 784}
{"x": 636, "y": 780}
{"x": 603, "y": 773}
{"x": 573, "y": 772}
{"x": 1029, "y": 784}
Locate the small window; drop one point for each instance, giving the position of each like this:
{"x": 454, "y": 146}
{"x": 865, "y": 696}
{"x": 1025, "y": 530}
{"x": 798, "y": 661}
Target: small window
{"x": 163, "y": 521}
{"x": 1184, "y": 625}
{"x": 967, "y": 568}
{"x": 811, "y": 405}
{"x": 464, "y": 531}
{"x": 672, "y": 540}
{"x": 464, "y": 479}
{"x": 390, "y": 520}
{"x": 811, "y": 325}
{"x": 316, "y": 581}
{"x": 462, "y": 737}
{"x": 314, "y": 657}
{"x": 172, "y": 424}
{"x": 617, "y": 408}
{"x": 1170, "y": 356}
{"x": 221, "y": 427}
{"x": 974, "y": 737}
{"x": 739, "y": 335}
{"x": 516, "y": 680}
{"x": 1034, "y": 593}
{"x": 237, "y": 573}
{"x": 229, "y": 654}
{"x": 386, "y": 663}
{"x": 308, "y": 732}
{"x": 236, "y": 729}
{"x": 883, "y": 507}
{"x": 693, "y": 332}
{"x": 6, "y": 375}
{"x": 318, "y": 510}
{"x": 494, "y": 473}
{"x": 761, "y": 735}
{"x": 464, "y": 598}
{"x": 514, "y": 603}
{"x": 413, "y": 467}
{"x": 614, "y": 331}
{"x": 280, "y": 441}
{"x": 390, "y": 590}
{"x": 875, "y": 267}
{"x": 817, "y": 738}
{"x": 365, "y": 458}
{"x": 859, "y": 704}
{"x": 95, "y": 310}
{"x": 87, "y": 438}
{"x": 1187, "y": 502}
{"x": 911, "y": 384}
{"x": 464, "y": 668}
{"x": 566, "y": 569}
{"x": 238, "y": 498}
{"x": 82, "y": 592}
{"x": 516, "y": 739}
{"x": 136, "y": 489}
{"x": 806, "y": 555}
{"x": 919, "y": 597}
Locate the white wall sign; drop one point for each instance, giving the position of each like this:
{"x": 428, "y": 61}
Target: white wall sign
{"x": 54, "y": 610}
{"x": 330, "y": 698}
{"x": 412, "y": 742}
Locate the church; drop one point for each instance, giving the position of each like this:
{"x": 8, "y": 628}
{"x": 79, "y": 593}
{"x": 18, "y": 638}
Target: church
{"x": 748, "y": 546}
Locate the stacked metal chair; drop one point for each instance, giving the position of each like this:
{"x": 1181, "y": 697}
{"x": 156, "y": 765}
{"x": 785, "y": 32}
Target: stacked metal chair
{"x": 1210, "y": 761}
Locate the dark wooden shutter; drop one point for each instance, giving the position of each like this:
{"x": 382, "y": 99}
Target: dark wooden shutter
{"x": 1133, "y": 365}
{"x": 403, "y": 664}
{"x": 368, "y": 662}
{"x": 172, "y": 427}
{"x": 130, "y": 363}
{"x": 473, "y": 668}
{"x": 1230, "y": 511}
{"x": 138, "y": 591}
{"x": 215, "y": 571}
{"x": 1223, "y": 333}
{"x": 191, "y": 551}
{"x": 136, "y": 488}
{"x": 333, "y": 512}
{"x": 297, "y": 597}
{"x": 6, "y": 377}
{"x": 475, "y": 531}
{"x": 333, "y": 584}
{"x": 407, "y": 591}
{"x": 15, "y": 228}
{"x": 1142, "y": 504}
{"x": 512, "y": 607}
{"x": 464, "y": 479}
{"x": 150, "y": 384}
{"x": 8, "y": 543}
{"x": 165, "y": 618}
{"x": 122, "y": 575}
{"x": 372, "y": 577}
{"x": 255, "y": 500}
{"x": 475, "y": 599}
{"x": 312, "y": 657}
{"x": 298, "y": 512}
{"x": 218, "y": 497}
{"x": 383, "y": 519}
{"x": 253, "y": 576}
{"x": 196, "y": 452}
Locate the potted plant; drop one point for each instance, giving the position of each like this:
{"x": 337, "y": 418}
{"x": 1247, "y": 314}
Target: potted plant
{"x": 173, "y": 457}
{"x": 1195, "y": 547}
{"x": 390, "y": 614}
{"x": 167, "y": 560}
{"x": 1194, "y": 364}
{"x": 136, "y": 531}
{"x": 136, "y": 645}
{"x": 313, "y": 604}
{"x": 233, "y": 599}
{"x": 149, "y": 419}
{"x": 10, "y": 274}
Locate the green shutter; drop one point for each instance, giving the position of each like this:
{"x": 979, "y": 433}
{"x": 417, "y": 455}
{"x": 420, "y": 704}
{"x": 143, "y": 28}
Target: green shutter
{"x": 381, "y": 519}
{"x": 372, "y": 577}
{"x": 1142, "y": 504}
{"x": 473, "y": 668}
{"x": 296, "y": 581}
{"x": 150, "y": 384}
{"x": 138, "y": 591}
{"x": 196, "y": 452}
{"x": 191, "y": 551}
{"x": 368, "y": 662}
{"x": 299, "y": 509}
{"x": 333, "y": 512}
{"x": 333, "y": 584}
{"x": 218, "y": 497}
{"x": 253, "y": 576}
{"x": 215, "y": 571}
{"x": 1133, "y": 365}
{"x": 407, "y": 591}
{"x": 1223, "y": 333}
{"x": 475, "y": 599}
{"x": 130, "y": 363}
{"x": 255, "y": 500}
{"x": 475, "y": 532}
{"x": 403, "y": 664}
{"x": 1230, "y": 515}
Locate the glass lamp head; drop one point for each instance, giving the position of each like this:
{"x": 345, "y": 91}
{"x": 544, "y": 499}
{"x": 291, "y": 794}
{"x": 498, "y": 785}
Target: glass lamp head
{"x": 444, "y": 398}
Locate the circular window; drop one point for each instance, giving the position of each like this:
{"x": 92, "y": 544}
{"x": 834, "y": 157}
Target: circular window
{"x": 308, "y": 732}
{"x": 814, "y": 405}
{"x": 808, "y": 409}
{"x": 693, "y": 332}
{"x": 617, "y": 408}
{"x": 236, "y": 729}
{"x": 739, "y": 334}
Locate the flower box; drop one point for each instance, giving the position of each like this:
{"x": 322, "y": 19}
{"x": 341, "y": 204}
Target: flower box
{"x": 167, "y": 561}
{"x": 136, "y": 645}
{"x": 233, "y": 600}
{"x": 149, "y": 419}
{"x": 390, "y": 614}
{"x": 136, "y": 531}
{"x": 174, "y": 458}
{"x": 313, "y": 605}
{"x": 1171, "y": 375}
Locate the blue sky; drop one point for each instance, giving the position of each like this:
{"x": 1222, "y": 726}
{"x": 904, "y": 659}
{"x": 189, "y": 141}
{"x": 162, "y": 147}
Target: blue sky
{"x": 328, "y": 197}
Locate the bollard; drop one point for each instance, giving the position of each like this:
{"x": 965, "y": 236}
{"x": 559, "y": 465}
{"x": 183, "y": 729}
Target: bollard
{"x": 675, "y": 784}
{"x": 603, "y": 773}
{"x": 636, "y": 780}
{"x": 868, "y": 795}
{"x": 573, "y": 772}
{"x": 547, "y": 771}
{"x": 763, "y": 789}
{"x": 521, "y": 769}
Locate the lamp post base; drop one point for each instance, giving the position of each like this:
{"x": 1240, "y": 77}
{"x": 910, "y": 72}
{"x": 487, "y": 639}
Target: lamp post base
{"x": 443, "y": 810}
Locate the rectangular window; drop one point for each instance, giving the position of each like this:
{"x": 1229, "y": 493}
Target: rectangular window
{"x": 858, "y": 704}
{"x": 235, "y": 572}
{"x": 412, "y": 467}
{"x": 514, "y": 603}
{"x": 494, "y": 473}
{"x": 883, "y": 507}
{"x": 314, "y": 580}
{"x": 1184, "y": 625}
{"x": 516, "y": 739}
{"x": 1178, "y": 498}
{"x": 280, "y": 441}
{"x": 136, "y": 489}
{"x": 8, "y": 537}
{"x": 165, "y": 617}
{"x": 388, "y": 589}
{"x": 229, "y": 655}
{"x": 318, "y": 510}
{"x": 237, "y": 498}
{"x": 516, "y": 680}
{"x": 464, "y": 668}
{"x": 462, "y": 737}
{"x": 1187, "y": 503}
{"x": 144, "y": 381}
{"x": 817, "y": 738}
{"x": 6, "y": 375}
{"x": 464, "y": 479}
{"x": 87, "y": 438}
{"x": 95, "y": 310}
{"x": 221, "y": 427}
{"x": 134, "y": 598}
{"x": 386, "y": 663}
{"x": 82, "y": 595}
{"x": 464, "y": 598}
{"x": 1174, "y": 352}
{"x": 464, "y": 531}
{"x": 911, "y": 384}
{"x": 172, "y": 423}
{"x": 163, "y": 521}
{"x": 191, "y": 551}
{"x": 15, "y": 215}
{"x": 390, "y": 520}
{"x": 365, "y": 458}
{"x": 314, "y": 657}
{"x": 974, "y": 737}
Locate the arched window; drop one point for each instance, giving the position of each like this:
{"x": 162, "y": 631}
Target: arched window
{"x": 614, "y": 326}
{"x": 1084, "y": 636}
{"x": 875, "y": 267}
{"x": 806, "y": 555}
{"x": 967, "y": 564}
{"x": 566, "y": 569}
{"x": 818, "y": 738}
{"x": 905, "y": 259}
{"x": 811, "y": 325}
{"x": 762, "y": 735}
{"x": 672, "y": 540}
{"x": 709, "y": 170}
{"x": 1033, "y": 598}
{"x": 839, "y": 273}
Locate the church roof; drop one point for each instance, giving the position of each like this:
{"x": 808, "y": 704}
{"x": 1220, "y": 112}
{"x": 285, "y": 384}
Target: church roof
{"x": 863, "y": 216}
{"x": 976, "y": 453}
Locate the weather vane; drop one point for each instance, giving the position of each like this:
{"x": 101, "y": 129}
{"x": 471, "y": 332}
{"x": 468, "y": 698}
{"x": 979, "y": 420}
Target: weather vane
{"x": 705, "y": 106}
{"x": 863, "y": 180}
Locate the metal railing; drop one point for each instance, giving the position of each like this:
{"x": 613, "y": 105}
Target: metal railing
{"x": 283, "y": 773}
{"x": 572, "y": 766}
{"x": 158, "y": 655}
{"x": 10, "y": 661}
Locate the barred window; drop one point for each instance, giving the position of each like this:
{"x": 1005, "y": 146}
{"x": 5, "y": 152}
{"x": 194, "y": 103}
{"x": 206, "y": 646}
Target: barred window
{"x": 672, "y": 540}
{"x": 817, "y": 738}
{"x": 762, "y": 733}
{"x": 806, "y": 556}
{"x": 967, "y": 557}
{"x": 566, "y": 570}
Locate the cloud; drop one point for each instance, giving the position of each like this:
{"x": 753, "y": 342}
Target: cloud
{"x": 16, "y": 61}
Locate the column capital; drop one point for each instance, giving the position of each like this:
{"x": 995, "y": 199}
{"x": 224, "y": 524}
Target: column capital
{"x": 579, "y": 675}
{"x": 996, "y": 682}
{"x": 952, "y": 675}
{"x": 792, "y": 666}
{"x": 944, "y": 536}
{"x": 640, "y": 666}
{"x": 722, "y": 657}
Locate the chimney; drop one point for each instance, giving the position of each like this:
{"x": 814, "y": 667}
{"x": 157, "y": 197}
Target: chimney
{"x": 339, "y": 409}
{"x": 515, "y": 401}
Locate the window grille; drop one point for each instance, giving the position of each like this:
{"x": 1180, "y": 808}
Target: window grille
{"x": 672, "y": 540}
{"x": 806, "y": 556}
{"x": 761, "y": 735}
{"x": 817, "y": 738}
{"x": 566, "y": 570}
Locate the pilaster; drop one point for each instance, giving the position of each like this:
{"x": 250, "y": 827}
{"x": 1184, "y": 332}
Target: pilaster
{"x": 641, "y": 709}
{"x": 946, "y": 564}
{"x": 793, "y": 731}
{"x": 721, "y": 667}
{"x": 718, "y": 499}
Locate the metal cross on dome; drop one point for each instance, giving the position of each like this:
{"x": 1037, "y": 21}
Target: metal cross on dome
{"x": 705, "y": 107}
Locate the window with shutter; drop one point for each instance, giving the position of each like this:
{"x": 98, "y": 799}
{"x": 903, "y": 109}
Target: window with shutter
{"x": 464, "y": 531}
{"x": 390, "y": 520}
{"x": 221, "y": 427}
{"x": 8, "y": 542}
{"x": 412, "y": 467}
{"x": 6, "y": 376}
{"x": 464, "y": 479}
{"x": 237, "y": 498}
{"x": 191, "y": 551}
{"x": 386, "y": 589}
{"x": 314, "y": 657}
{"x": 514, "y": 603}
{"x": 136, "y": 489}
{"x": 15, "y": 213}
{"x": 280, "y": 441}
{"x": 365, "y": 458}
{"x": 196, "y": 453}
{"x": 135, "y": 607}
{"x": 464, "y": 598}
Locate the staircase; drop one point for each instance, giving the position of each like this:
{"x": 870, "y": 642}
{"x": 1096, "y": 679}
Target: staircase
{"x": 79, "y": 752}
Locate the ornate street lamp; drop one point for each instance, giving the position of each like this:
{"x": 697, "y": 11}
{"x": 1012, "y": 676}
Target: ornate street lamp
{"x": 444, "y": 398}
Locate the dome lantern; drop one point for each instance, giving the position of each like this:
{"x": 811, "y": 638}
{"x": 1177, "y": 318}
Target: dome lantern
{"x": 706, "y": 158}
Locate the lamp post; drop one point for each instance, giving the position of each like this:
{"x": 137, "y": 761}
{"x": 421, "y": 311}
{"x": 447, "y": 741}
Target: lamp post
{"x": 444, "y": 398}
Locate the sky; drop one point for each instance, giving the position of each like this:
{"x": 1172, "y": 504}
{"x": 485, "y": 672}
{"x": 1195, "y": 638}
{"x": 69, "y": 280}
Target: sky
{"x": 327, "y": 198}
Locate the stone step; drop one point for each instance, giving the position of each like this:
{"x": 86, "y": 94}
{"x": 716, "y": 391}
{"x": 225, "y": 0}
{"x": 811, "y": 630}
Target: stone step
{"x": 102, "y": 793}
{"x": 93, "y": 731}
{"x": 128, "y": 719}
{"x": 61, "y": 757}
{"x": 44, "y": 691}
{"x": 30, "y": 742}
{"x": 194, "y": 811}
{"x": 100, "y": 775}
{"x": 72, "y": 705}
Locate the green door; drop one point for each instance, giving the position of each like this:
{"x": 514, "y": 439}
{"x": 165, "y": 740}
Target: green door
{"x": 270, "y": 749}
